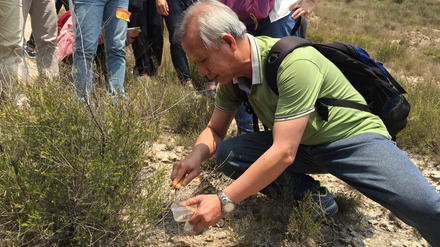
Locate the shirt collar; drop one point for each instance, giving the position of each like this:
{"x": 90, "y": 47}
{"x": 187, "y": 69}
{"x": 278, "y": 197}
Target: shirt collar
{"x": 255, "y": 61}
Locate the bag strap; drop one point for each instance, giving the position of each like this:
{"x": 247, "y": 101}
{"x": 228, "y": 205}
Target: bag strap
{"x": 276, "y": 55}
{"x": 322, "y": 105}
{"x": 296, "y": 27}
{"x": 279, "y": 51}
{"x": 394, "y": 82}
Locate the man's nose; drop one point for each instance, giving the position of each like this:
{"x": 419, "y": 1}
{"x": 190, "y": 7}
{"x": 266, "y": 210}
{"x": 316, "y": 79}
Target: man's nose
{"x": 203, "y": 70}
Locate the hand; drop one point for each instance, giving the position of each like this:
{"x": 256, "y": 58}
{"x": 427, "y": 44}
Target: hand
{"x": 162, "y": 7}
{"x": 208, "y": 213}
{"x": 190, "y": 166}
{"x": 304, "y": 8}
{"x": 134, "y": 33}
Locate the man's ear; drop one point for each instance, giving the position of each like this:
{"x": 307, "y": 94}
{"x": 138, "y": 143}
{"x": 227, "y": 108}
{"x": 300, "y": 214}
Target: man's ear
{"x": 230, "y": 41}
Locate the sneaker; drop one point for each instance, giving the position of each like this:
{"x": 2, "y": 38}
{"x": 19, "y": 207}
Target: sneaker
{"x": 326, "y": 204}
{"x": 188, "y": 84}
{"x": 143, "y": 78}
{"x": 29, "y": 52}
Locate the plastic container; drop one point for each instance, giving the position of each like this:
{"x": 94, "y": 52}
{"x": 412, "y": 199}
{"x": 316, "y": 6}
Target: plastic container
{"x": 182, "y": 214}
{"x": 188, "y": 228}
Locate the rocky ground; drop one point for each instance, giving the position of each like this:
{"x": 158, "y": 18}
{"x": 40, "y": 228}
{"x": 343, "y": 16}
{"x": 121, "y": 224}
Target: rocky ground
{"x": 372, "y": 226}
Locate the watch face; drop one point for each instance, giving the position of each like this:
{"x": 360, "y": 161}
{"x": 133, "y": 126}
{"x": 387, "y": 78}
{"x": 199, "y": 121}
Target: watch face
{"x": 229, "y": 207}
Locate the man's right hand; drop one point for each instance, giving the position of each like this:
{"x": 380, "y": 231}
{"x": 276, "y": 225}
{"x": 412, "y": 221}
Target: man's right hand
{"x": 162, "y": 7}
{"x": 181, "y": 168}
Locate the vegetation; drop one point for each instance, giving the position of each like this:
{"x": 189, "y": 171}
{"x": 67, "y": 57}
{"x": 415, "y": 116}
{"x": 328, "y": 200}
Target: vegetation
{"x": 73, "y": 174}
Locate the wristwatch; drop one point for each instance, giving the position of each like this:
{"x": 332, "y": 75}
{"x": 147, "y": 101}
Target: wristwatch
{"x": 228, "y": 205}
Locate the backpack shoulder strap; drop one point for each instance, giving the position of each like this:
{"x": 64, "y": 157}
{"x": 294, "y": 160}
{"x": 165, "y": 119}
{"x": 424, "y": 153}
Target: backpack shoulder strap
{"x": 276, "y": 55}
{"x": 248, "y": 108}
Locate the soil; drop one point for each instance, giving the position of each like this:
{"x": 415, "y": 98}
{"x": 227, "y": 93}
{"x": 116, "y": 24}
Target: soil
{"x": 372, "y": 224}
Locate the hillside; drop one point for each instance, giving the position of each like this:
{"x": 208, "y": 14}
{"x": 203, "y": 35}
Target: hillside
{"x": 403, "y": 34}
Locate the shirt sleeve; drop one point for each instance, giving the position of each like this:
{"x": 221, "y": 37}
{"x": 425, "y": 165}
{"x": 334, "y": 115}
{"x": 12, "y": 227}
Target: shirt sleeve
{"x": 226, "y": 98}
{"x": 299, "y": 83}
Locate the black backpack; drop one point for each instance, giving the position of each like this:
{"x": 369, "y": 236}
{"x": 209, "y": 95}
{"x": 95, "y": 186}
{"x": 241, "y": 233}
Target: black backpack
{"x": 381, "y": 91}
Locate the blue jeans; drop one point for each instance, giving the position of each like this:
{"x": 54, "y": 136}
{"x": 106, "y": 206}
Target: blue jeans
{"x": 278, "y": 29}
{"x": 369, "y": 162}
{"x": 90, "y": 15}
{"x": 244, "y": 120}
{"x": 178, "y": 56}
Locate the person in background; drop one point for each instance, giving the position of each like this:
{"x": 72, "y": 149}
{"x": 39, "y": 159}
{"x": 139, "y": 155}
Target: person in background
{"x": 172, "y": 10}
{"x": 352, "y": 145}
{"x": 44, "y": 27}
{"x": 65, "y": 38}
{"x": 279, "y": 23}
{"x": 147, "y": 48}
{"x": 12, "y": 64}
{"x": 88, "y": 16}
{"x": 29, "y": 48}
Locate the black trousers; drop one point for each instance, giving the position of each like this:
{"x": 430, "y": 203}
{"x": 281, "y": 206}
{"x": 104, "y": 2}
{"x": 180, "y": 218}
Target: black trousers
{"x": 148, "y": 46}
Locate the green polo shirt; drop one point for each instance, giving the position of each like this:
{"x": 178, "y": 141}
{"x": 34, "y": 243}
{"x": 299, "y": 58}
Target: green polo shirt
{"x": 304, "y": 76}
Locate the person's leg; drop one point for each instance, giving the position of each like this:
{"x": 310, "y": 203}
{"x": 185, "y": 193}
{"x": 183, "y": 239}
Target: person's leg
{"x": 178, "y": 56}
{"x": 65, "y": 4}
{"x": 29, "y": 46}
{"x": 140, "y": 44}
{"x": 11, "y": 45}
{"x": 235, "y": 155}
{"x": 147, "y": 48}
{"x": 31, "y": 42}
{"x": 372, "y": 164}
{"x": 87, "y": 19}
{"x": 61, "y": 3}
{"x": 44, "y": 26}
{"x": 155, "y": 36}
{"x": 115, "y": 36}
{"x": 58, "y": 5}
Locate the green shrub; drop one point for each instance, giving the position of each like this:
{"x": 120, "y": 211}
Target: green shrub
{"x": 188, "y": 112}
{"x": 433, "y": 53}
{"x": 423, "y": 127}
{"x": 70, "y": 173}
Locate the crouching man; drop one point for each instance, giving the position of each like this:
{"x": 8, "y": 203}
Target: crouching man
{"x": 352, "y": 145}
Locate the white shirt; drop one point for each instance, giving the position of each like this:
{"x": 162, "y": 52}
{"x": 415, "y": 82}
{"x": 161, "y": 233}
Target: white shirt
{"x": 281, "y": 8}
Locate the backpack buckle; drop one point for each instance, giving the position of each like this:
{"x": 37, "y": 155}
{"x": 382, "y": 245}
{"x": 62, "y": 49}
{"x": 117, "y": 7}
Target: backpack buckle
{"x": 248, "y": 108}
{"x": 273, "y": 57}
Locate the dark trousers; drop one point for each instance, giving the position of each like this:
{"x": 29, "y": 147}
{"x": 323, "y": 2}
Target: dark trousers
{"x": 148, "y": 46}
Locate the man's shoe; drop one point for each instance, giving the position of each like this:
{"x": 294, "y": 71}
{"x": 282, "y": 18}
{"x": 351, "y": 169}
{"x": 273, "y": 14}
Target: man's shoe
{"x": 30, "y": 53}
{"x": 326, "y": 204}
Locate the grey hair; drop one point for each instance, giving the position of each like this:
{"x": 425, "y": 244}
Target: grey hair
{"x": 213, "y": 21}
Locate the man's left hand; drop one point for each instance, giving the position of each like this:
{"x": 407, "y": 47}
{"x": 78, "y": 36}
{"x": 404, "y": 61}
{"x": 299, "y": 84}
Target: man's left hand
{"x": 208, "y": 213}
